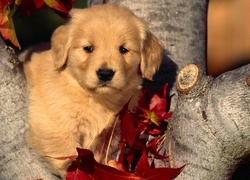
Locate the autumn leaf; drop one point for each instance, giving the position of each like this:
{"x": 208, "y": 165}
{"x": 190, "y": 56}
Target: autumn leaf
{"x": 85, "y": 167}
{"x": 153, "y": 121}
{"x": 61, "y": 7}
{"x": 158, "y": 101}
{"x": 57, "y": 5}
{"x": 107, "y": 173}
{"x": 4, "y": 11}
{"x": 162, "y": 173}
{"x": 28, "y": 7}
{"x": 157, "y": 107}
{"x": 143, "y": 170}
{"x": 8, "y": 33}
{"x": 79, "y": 175}
{"x": 154, "y": 113}
{"x": 128, "y": 131}
{"x": 144, "y": 100}
{"x": 6, "y": 24}
{"x": 151, "y": 149}
{"x": 142, "y": 165}
{"x": 82, "y": 166}
{"x": 133, "y": 149}
{"x": 117, "y": 165}
{"x": 149, "y": 116}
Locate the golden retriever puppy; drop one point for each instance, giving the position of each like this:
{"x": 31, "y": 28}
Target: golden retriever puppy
{"x": 79, "y": 85}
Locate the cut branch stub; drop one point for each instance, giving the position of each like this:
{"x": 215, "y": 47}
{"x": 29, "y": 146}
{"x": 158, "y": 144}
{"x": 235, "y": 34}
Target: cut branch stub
{"x": 191, "y": 81}
{"x": 248, "y": 81}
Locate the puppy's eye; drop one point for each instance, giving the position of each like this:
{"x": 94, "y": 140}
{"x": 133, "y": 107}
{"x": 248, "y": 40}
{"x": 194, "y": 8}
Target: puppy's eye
{"x": 123, "y": 50}
{"x": 88, "y": 49}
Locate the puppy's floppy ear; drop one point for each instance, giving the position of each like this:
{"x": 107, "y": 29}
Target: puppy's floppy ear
{"x": 152, "y": 53}
{"x": 60, "y": 46}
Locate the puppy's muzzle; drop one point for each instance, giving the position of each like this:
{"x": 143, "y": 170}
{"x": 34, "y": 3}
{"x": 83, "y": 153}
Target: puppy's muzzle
{"x": 105, "y": 74}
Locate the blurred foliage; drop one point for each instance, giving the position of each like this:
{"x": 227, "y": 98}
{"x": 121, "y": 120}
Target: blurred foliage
{"x": 228, "y": 35}
{"x": 38, "y": 27}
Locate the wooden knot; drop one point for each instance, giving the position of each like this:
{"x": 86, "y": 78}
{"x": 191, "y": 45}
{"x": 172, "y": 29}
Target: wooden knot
{"x": 248, "y": 81}
{"x": 191, "y": 80}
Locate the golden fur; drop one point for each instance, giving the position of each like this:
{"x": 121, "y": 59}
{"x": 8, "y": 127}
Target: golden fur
{"x": 69, "y": 106}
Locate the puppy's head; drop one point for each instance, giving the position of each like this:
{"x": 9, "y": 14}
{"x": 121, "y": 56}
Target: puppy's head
{"x": 106, "y": 48}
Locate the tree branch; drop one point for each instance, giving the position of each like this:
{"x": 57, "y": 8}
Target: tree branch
{"x": 211, "y": 132}
{"x": 16, "y": 160}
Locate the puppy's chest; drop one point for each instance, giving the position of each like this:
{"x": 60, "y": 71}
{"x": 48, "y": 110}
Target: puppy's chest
{"x": 93, "y": 120}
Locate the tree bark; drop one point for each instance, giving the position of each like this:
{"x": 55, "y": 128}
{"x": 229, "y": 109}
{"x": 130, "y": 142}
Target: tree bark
{"x": 16, "y": 160}
{"x": 211, "y": 124}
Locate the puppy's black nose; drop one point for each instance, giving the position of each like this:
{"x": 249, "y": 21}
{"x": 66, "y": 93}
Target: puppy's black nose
{"x": 105, "y": 74}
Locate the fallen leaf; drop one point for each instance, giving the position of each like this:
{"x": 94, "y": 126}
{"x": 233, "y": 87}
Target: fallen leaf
{"x": 143, "y": 170}
{"x": 128, "y": 131}
{"x": 159, "y": 100}
{"x": 117, "y": 165}
{"x": 85, "y": 167}
{"x": 150, "y": 149}
{"x": 107, "y": 173}
{"x": 8, "y": 33}
{"x": 149, "y": 116}
{"x": 27, "y": 7}
{"x": 142, "y": 165}
{"x": 57, "y": 5}
{"x": 133, "y": 149}
{"x": 4, "y": 11}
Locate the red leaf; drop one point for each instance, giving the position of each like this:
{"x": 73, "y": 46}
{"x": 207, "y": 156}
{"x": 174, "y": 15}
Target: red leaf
{"x": 149, "y": 116}
{"x": 158, "y": 101}
{"x": 142, "y": 165}
{"x": 163, "y": 173}
{"x": 144, "y": 101}
{"x": 85, "y": 167}
{"x": 82, "y": 167}
{"x": 8, "y": 32}
{"x": 4, "y": 3}
{"x": 4, "y": 11}
{"x": 84, "y": 162}
{"x": 163, "y": 92}
{"x": 107, "y": 173}
{"x": 6, "y": 24}
{"x": 79, "y": 175}
{"x": 128, "y": 131}
{"x": 153, "y": 144}
{"x": 143, "y": 169}
{"x": 154, "y": 114}
{"x": 154, "y": 101}
{"x": 57, "y": 5}
{"x": 61, "y": 7}
{"x": 28, "y": 7}
{"x": 116, "y": 165}
{"x": 122, "y": 147}
{"x": 161, "y": 114}
{"x": 150, "y": 149}
{"x": 153, "y": 150}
